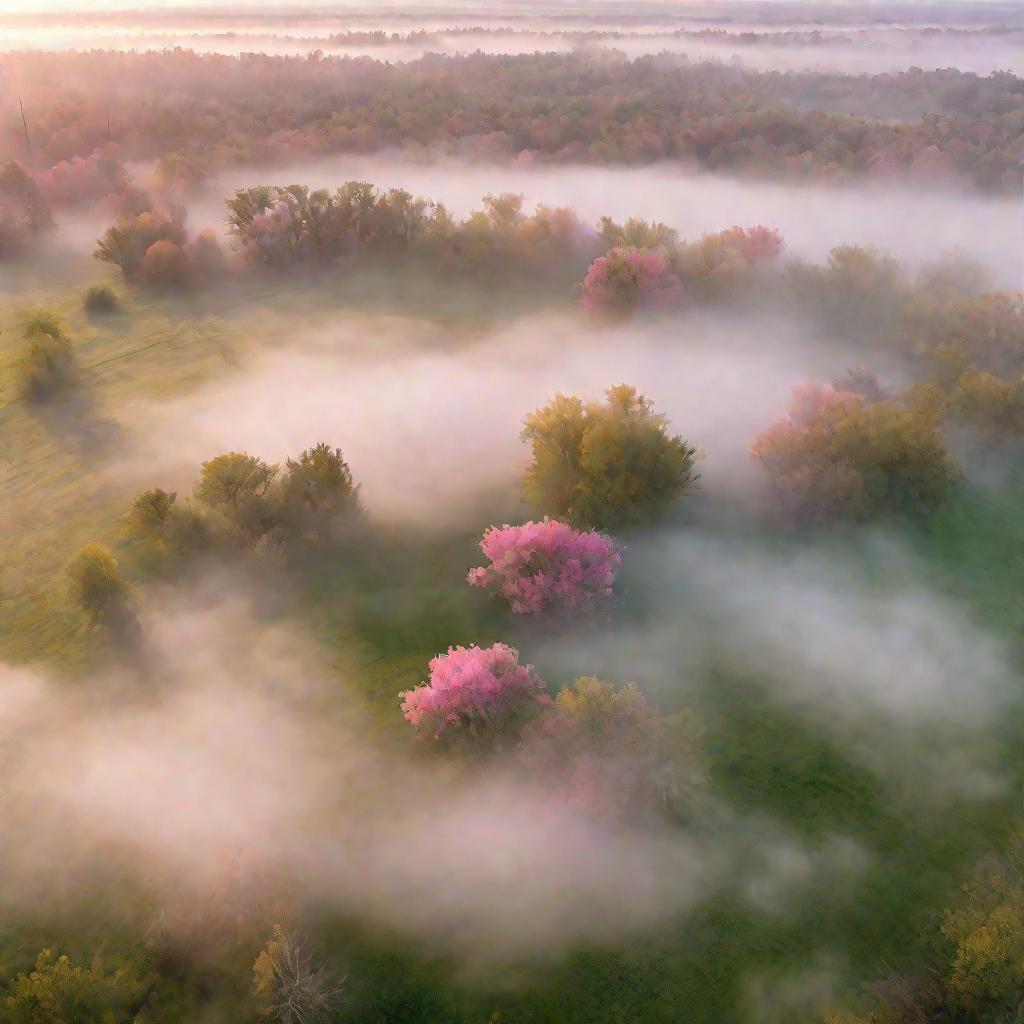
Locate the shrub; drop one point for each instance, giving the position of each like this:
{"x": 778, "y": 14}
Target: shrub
{"x": 605, "y": 465}
{"x": 482, "y": 693}
{"x": 547, "y": 568}
{"x": 49, "y": 364}
{"x": 606, "y": 749}
{"x": 289, "y": 987}
{"x": 836, "y": 457}
{"x": 165, "y": 265}
{"x": 96, "y": 584}
{"x": 100, "y": 298}
{"x": 57, "y": 991}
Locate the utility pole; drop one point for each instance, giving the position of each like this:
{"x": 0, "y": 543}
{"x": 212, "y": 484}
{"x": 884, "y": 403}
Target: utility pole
{"x": 28, "y": 141}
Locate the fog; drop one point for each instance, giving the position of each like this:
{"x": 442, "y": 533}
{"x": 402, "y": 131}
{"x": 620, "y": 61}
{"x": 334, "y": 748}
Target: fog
{"x": 914, "y": 224}
{"x": 233, "y": 770}
{"x": 428, "y": 427}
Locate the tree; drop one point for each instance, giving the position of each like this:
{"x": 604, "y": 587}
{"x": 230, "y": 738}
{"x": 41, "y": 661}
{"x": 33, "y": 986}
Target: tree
{"x": 238, "y": 489}
{"x": 627, "y": 279}
{"x": 58, "y": 992}
{"x": 318, "y": 494}
{"x": 289, "y": 987}
{"x": 607, "y": 749}
{"x": 479, "y": 693}
{"x": 547, "y": 568}
{"x": 837, "y": 457}
{"x": 96, "y": 583}
{"x": 604, "y": 466}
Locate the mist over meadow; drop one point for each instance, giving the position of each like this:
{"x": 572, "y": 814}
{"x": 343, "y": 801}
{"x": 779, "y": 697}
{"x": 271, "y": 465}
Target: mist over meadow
{"x": 511, "y": 513}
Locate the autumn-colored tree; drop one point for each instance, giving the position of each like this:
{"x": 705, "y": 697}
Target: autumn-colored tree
{"x": 837, "y": 457}
{"x": 605, "y": 465}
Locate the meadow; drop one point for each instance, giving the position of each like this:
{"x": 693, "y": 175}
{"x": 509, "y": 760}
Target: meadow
{"x": 547, "y": 599}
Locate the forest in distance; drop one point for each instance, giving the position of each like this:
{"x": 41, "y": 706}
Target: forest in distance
{"x": 510, "y": 513}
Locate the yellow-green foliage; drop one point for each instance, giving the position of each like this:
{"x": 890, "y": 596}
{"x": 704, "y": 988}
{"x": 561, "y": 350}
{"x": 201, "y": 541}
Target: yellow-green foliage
{"x": 49, "y": 363}
{"x": 992, "y": 406}
{"x": 857, "y": 461}
{"x": 95, "y": 580}
{"x": 59, "y": 992}
{"x": 986, "y": 976}
{"x": 605, "y": 465}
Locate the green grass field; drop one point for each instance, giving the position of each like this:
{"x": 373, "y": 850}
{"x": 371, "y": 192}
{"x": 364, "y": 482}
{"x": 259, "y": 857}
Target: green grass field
{"x": 384, "y": 610}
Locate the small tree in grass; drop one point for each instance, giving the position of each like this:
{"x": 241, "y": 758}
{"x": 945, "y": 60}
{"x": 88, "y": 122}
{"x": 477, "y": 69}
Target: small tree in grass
{"x": 96, "y": 583}
{"x": 605, "y": 465}
{"x": 49, "y": 364}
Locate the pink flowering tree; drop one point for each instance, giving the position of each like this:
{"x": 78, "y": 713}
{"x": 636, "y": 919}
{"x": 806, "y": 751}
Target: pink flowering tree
{"x": 626, "y": 279}
{"x": 547, "y": 569}
{"x": 476, "y": 692}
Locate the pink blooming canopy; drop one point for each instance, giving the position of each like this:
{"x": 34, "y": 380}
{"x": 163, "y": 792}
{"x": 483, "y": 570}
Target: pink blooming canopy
{"x": 547, "y": 568}
{"x": 480, "y": 690}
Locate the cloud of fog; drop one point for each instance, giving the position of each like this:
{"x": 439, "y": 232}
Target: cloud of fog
{"x": 428, "y": 425}
{"x": 854, "y": 636}
{"x": 233, "y": 769}
{"x": 916, "y": 225}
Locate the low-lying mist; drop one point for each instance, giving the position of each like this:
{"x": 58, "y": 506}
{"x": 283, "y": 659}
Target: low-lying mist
{"x": 231, "y": 772}
{"x": 427, "y": 423}
{"x": 916, "y": 225}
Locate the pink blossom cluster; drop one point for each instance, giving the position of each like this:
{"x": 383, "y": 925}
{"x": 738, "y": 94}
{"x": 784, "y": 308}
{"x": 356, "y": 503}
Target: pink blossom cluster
{"x": 810, "y": 400}
{"x": 477, "y": 690}
{"x": 626, "y": 278}
{"x": 80, "y": 179}
{"x": 547, "y": 568}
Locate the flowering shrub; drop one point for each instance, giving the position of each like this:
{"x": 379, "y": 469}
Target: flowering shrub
{"x": 626, "y": 279}
{"x": 547, "y": 568}
{"x": 481, "y": 692}
{"x": 839, "y": 457}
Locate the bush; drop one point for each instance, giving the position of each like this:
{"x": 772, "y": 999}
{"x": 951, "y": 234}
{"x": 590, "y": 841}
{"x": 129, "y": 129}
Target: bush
{"x": 96, "y": 584}
{"x": 604, "y": 466}
{"x": 49, "y": 364}
{"x": 58, "y": 992}
{"x": 607, "y": 750}
{"x": 547, "y": 568}
{"x": 480, "y": 693}
{"x": 290, "y": 989}
{"x": 837, "y": 457}
{"x": 165, "y": 265}
{"x": 100, "y": 298}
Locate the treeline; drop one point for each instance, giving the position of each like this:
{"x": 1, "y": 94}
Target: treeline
{"x": 222, "y": 111}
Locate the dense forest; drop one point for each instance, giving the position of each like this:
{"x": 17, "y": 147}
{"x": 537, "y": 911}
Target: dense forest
{"x": 463, "y": 607}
